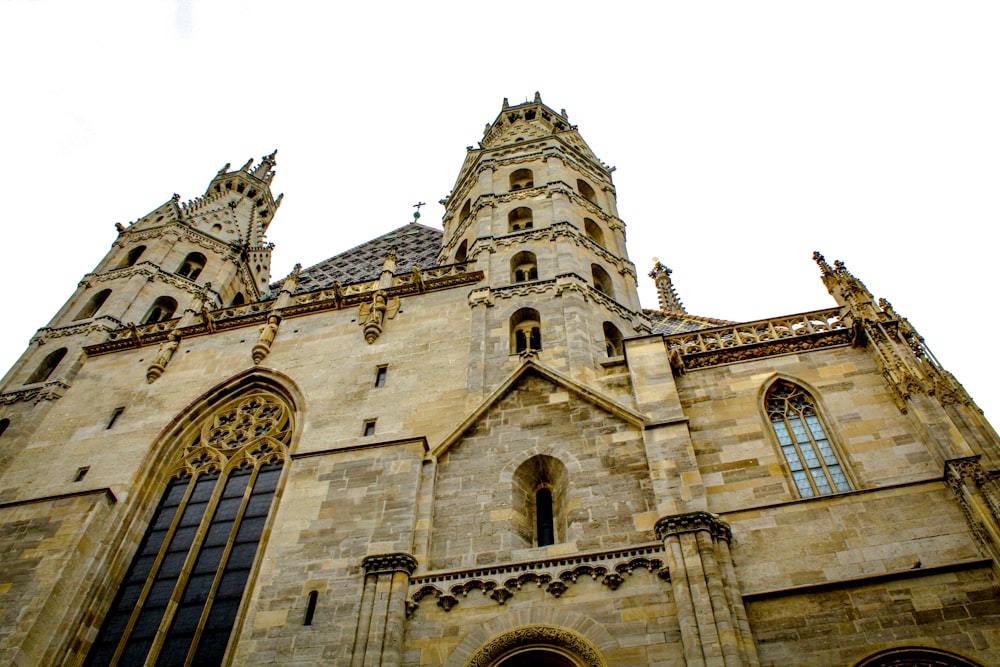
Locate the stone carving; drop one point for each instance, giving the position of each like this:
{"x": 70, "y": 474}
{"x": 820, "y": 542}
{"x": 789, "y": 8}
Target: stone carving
{"x": 393, "y": 562}
{"x": 372, "y": 316}
{"x": 541, "y": 635}
{"x": 555, "y": 576}
{"x": 266, "y": 338}
{"x": 691, "y": 522}
{"x": 251, "y": 430}
{"x": 163, "y": 357}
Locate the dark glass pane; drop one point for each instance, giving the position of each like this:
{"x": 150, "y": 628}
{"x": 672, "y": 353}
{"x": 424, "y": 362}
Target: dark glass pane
{"x": 171, "y": 566}
{"x": 242, "y": 555}
{"x": 198, "y": 588}
{"x": 237, "y": 483}
{"x": 223, "y": 613}
{"x": 258, "y": 505}
{"x": 130, "y": 595}
{"x": 543, "y": 514}
{"x": 251, "y": 529}
{"x": 208, "y": 560}
{"x": 135, "y": 652}
{"x": 232, "y": 583}
{"x": 175, "y": 650}
{"x": 183, "y": 537}
{"x": 159, "y": 593}
{"x": 192, "y": 514}
{"x": 228, "y": 508}
{"x": 218, "y": 533}
{"x": 204, "y": 487}
{"x": 267, "y": 478}
{"x": 212, "y": 648}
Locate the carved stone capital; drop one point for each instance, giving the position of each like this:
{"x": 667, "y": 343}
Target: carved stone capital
{"x": 394, "y": 562}
{"x": 692, "y": 522}
{"x": 967, "y": 469}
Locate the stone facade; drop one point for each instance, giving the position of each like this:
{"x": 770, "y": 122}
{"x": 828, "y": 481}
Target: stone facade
{"x": 472, "y": 447}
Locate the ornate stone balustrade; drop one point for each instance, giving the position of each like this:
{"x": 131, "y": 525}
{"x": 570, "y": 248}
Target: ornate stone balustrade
{"x": 762, "y": 338}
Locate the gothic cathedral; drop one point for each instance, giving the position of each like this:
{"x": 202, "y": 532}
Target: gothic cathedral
{"x": 472, "y": 447}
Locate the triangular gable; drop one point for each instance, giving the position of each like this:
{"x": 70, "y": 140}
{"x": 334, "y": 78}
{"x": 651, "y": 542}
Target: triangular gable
{"x": 532, "y": 366}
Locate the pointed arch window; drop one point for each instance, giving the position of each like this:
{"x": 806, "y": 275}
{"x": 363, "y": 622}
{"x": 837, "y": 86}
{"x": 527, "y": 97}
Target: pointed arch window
{"x": 162, "y": 310}
{"x": 192, "y": 266}
{"x": 586, "y": 190}
{"x": 593, "y": 231}
{"x": 463, "y": 251}
{"x": 238, "y": 300}
{"x": 602, "y": 281}
{"x": 804, "y": 442}
{"x": 93, "y": 305}
{"x": 132, "y": 257}
{"x": 48, "y": 366}
{"x": 613, "y": 340}
{"x": 180, "y": 597}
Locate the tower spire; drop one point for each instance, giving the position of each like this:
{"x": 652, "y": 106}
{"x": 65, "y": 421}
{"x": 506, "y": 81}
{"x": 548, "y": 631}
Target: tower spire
{"x": 665, "y": 292}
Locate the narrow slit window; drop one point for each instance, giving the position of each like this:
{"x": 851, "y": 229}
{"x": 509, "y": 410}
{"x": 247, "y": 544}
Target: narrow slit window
{"x": 115, "y": 415}
{"x": 369, "y": 427}
{"x": 4, "y": 423}
{"x": 81, "y": 473}
{"x": 311, "y": 607}
{"x": 545, "y": 529}
{"x": 380, "y": 376}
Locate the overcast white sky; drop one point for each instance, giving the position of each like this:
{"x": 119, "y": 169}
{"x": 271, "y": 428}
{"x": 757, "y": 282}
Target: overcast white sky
{"x": 746, "y": 136}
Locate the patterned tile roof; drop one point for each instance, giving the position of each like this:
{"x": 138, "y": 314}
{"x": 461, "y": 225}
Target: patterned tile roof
{"x": 416, "y": 245}
{"x": 667, "y": 323}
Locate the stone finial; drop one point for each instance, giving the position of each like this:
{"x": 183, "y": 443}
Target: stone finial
{"x": 665, "y": 292}
{"x": 224, "y": 169}
{"x": 506, "y": 104}
{"x": 120, "y": 227}
{"x": 538, "y": 97}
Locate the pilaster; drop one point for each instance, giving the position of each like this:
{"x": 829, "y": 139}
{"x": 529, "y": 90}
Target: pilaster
{"x": 710, "y": 612}
{"x": 378, "y": 641}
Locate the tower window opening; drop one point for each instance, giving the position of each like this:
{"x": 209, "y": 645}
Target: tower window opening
{"x": 523, "y": 267}
{"x": 539, "y": 488}
{"x": 369, "y": 427}
{"x": 132, "y": 257}
{"x": 529, "y": 115}
{"x": 806, "y": 448}
{"x": 238, "y": 300}
{"x": 4, "y": 423}
{"x": 525, "y": 331}
{"x": 192, "y": 266}
{"x": 81, "y": 473}
{"x": 240, "y": 188}
{"x": 380, "y": 374}
{"x": 586, "y": 191}
{"x": 602, "y": 281}
{"x": 162, "y": 310}
{"x": 463, "y": 251}
{"x": 593, "y": 231}
{"x": 521, "y": 179}
{"x": 48, "y": 365}
{"x": 93, "y": 305}
{"x": 466, "y": 211}
{"x": 520, "y": 218}
{"x": 613, "y": 340}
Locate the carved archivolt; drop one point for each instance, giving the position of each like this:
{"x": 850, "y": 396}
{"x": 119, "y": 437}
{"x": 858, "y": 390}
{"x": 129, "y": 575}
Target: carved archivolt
{"x": 253, "y": 429}
{"x": 566, "y": 642}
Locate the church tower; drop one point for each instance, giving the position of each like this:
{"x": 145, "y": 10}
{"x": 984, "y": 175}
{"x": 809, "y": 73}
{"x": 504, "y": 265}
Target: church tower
{"x": 181, "y": 257}
{"x": 535, "y": 210}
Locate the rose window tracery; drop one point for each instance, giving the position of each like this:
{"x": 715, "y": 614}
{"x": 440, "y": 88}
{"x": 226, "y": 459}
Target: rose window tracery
{"x": 255, "y": 427}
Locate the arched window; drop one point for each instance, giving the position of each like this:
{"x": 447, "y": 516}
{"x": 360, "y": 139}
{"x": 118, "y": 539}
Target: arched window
{"x": 525, "y": 331}
{"x": 523, "y": 267}
{"x": 192, "y": 266}
{"x": 463, "y": 251}
{"x": 48, "y": 365}
{"x": 163, "y": 309}
{"x": 93, "y": 305}
{"x": 915, "y": 656}
{"x": 540, "y": 486}
{"x": 520, "y": 218}
{"x": 522, "y": 178}
{"x": 804, "y": 442}
{"x": 585, "y": 190}
{"x": 4, "y": 423}
{"x": 613, "y": 340}
{"x": 179, "y": 599}
{"x": 593, "y": 231}
{"x": 132, "y": 257}
{"x": 602, "y": 281}
{"x": 466, "y": 211}
{"x": 238, "y": 300}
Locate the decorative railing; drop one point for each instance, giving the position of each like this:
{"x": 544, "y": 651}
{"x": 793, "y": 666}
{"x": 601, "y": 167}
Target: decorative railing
{"x": 747, "y": 340}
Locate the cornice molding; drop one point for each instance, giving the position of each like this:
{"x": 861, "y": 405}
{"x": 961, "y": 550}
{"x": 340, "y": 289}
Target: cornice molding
{"x": 691, "y": 522}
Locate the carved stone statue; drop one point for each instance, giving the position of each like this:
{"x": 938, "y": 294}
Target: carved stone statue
{"x": 163, "y": 357}
{"x": 267, "y": 334}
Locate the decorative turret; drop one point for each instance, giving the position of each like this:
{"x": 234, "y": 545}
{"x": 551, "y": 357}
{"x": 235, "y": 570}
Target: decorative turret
{"x": 665, "y": 292}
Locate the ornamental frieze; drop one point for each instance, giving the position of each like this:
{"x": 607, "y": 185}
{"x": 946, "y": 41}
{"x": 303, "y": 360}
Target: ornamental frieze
{"x": 554, "y": 576}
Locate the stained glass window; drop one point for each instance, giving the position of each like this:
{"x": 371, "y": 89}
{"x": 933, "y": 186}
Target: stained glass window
{"x": 811, "y": 459}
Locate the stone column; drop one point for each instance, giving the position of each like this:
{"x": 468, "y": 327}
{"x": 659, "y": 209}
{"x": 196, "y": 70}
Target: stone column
{"x": 378, "y": 641}
{"x": 710, "y": 612}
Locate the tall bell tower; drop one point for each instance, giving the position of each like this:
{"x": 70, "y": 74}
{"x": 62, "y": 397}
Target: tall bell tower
{"x": 535, "y": 210}
{"x": 182, "y": 256}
